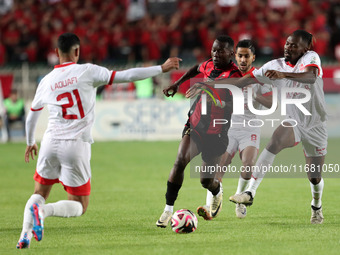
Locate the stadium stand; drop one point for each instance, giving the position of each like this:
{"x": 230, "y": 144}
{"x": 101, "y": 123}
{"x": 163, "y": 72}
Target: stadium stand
{"x": 130, "y": 31}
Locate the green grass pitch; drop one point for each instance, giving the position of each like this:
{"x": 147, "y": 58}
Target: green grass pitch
{"x": 128, "y": 187}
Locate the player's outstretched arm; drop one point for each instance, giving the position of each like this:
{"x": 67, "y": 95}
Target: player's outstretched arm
{"x": 309, "y": 76}
{"x": 171, "y": 90}
{"x": 141, "y": 73}
{"x": 31, "y": 150}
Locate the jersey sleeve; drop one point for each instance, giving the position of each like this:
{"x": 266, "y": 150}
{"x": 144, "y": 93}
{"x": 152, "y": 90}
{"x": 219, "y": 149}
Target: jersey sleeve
{"x": 259, "y": 74}
{"x": 312, "y": 59}
{"x": 101, "y": 75}
{"x": 38, "y": 101}
{"x": 202, "y": 67}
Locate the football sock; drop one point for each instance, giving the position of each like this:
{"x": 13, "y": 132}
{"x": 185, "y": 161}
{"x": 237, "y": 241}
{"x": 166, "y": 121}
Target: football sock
{"x": 217, "y": 190}
{"x": 172, "y": 193}
{"x": 265, "y": 160}
{"x": 242, "y": 184}
{"x": 317, "y": 193}
{"x": 63, "y": 208}
{"x": 169, "y": 208}
{"x": 28, "y": 219}
{"x": 209, "y": 198}
{"x": 315, "y": 208}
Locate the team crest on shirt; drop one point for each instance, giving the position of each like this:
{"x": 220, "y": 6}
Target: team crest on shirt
{"x": 313, "y": 60}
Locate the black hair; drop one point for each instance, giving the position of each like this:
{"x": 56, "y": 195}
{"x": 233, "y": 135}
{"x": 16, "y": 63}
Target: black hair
{"x": 66, "y": 41}
{"x": 14, "y": 91}
{"x": 227, "y": 40}
{"x": 305, "y": 36}
{"x": 246, "y": 44}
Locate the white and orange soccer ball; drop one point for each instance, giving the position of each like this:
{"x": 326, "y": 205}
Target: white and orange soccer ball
{"x": 184, "y": 221}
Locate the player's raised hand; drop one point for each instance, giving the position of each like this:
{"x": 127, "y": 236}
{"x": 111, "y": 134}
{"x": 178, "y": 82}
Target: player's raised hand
{"x": 194, "y": 90}
{"x": 171, "y": 63}
{"x": 273, "y": 74}
{"x": 31, "y": 150}
{"x": 171, "y": 90}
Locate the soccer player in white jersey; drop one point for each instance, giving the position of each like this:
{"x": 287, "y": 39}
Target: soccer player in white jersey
{"x": 242, "y": 137}
{"x": 300, "y": 68}
{"x": 70, "y": 92}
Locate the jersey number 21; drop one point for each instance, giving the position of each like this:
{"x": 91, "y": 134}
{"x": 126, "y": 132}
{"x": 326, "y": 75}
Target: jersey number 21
{"x": 70, "y": 104}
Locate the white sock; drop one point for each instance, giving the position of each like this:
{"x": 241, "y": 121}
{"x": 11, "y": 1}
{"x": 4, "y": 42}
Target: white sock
{"x": 169, "y": 208}
{"x": 242, "y": 184}
{"x": 28, "y": 219}
{"x": 63, "y": 208}
{"x": 209, "y": 198}
{"x": 265, "y": 159}
{"x": 317, "y": 193}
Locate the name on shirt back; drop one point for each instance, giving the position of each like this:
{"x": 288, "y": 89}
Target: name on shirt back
{"x": 64, "y": 83}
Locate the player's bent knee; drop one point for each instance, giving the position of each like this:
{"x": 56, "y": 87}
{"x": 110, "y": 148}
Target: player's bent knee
{"x": 248, "y": 164}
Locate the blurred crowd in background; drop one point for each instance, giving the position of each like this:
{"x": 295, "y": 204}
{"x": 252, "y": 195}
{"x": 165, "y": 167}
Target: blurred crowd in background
{"x": 130, "y": 31}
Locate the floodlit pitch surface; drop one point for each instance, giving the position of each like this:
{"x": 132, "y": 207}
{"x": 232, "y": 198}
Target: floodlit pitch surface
{"x": 128, "y": 187}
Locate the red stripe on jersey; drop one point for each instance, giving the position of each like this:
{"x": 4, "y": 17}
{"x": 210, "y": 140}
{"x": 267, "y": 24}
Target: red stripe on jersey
{"x": 314, "y": 66}
{"x": 289, "y": 64}
{"x": 35, "y": 110}
{"x": 43, "y": 180}
{"x": 112, "y": 77}
{"x": 63, "y": 65}
{"x": 83, "y": 190}
{"x": 249, "y": 72}
{"x": 268, "y": 94}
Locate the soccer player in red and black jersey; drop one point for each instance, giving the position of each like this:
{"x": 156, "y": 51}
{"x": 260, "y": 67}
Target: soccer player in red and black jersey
{"x": 199, "y": 134}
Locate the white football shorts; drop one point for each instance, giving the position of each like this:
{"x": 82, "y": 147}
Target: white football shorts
{"x": 314, "y": 140}
{"x": 65, "y": 161}
{"x": 239, "y": 139}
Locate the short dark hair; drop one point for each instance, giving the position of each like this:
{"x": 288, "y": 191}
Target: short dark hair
{"x": 66, "y": 41}
{"x": 305, "y": 36}
{"x": 246, "y": 44}
{"x": 14, "y": 91}
{"x": 226, "y": 39}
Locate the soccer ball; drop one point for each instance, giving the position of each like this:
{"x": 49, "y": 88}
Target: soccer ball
{"x": 184, "y": 221}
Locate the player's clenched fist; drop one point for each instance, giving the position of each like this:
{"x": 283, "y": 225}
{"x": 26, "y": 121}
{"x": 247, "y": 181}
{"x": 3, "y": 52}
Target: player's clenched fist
{"x": 171, "y": 63}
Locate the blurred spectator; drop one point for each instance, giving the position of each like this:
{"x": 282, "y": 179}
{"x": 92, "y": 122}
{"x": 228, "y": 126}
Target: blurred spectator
{"x": 136, "y": 10}
{"x": 334, "y": 25}
{"x": 2, "y": 53}
{"x": 15, "y": 111}
{"x": 145, "y": 89}
{"x": 5, "y": 6}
